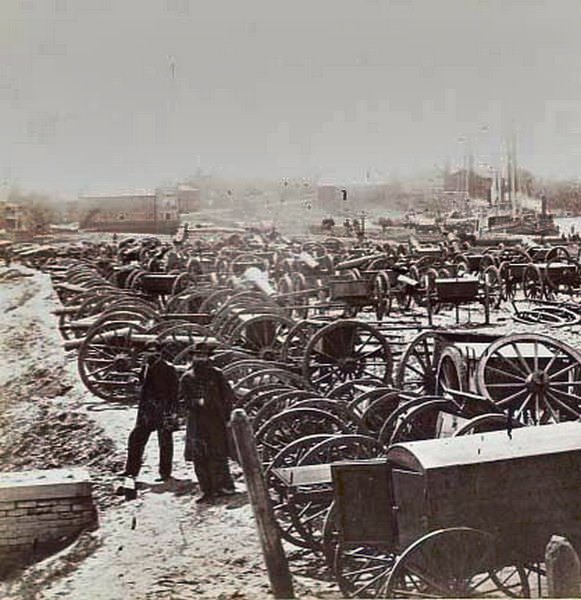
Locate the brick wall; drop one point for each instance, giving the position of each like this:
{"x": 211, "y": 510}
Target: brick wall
{"x": 42, "y": 511}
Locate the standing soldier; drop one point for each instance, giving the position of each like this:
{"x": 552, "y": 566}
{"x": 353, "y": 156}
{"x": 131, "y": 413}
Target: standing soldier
{"x": 157, "y": 411}
{"x": 207, "y": 396}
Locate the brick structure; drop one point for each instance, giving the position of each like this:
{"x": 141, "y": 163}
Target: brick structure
{"x": 42, "y": 511}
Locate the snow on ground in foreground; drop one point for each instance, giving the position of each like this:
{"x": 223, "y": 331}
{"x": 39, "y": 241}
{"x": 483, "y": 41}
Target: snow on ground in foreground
{"x": 161, "y": 545}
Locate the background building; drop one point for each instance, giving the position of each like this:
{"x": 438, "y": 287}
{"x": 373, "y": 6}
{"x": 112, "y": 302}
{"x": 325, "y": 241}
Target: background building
{"x": 144, "y": 212}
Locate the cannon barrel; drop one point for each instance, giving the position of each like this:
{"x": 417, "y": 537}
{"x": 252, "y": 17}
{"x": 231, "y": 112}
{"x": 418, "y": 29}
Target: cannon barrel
{"x": 354, "y": 263}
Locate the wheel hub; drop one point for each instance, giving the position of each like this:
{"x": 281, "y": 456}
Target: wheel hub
{"x": 537, "y": 381}
{"x": 121, "y": 363}
{"x": 267, "y": 353}
{"x": 348, "y": 365}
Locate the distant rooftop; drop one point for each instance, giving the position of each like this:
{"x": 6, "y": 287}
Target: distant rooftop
{"x": 120, "y": 194}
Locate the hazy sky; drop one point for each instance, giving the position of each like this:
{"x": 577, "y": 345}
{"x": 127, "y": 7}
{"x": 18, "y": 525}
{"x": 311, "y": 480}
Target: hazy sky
{"x": 100, "y": 95}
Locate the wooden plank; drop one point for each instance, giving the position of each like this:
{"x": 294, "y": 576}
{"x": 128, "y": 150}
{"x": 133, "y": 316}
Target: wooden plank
{"x": 305, "y": 475}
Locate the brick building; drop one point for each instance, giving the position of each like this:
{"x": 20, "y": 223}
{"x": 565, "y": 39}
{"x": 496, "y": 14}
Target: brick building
{"x": 145, "y": 212}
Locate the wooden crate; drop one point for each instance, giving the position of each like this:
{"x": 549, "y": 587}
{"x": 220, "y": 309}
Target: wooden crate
{"x": 464, "y": 289}
{"x": 522, "y": 488}
{"x": 346, "y": 289}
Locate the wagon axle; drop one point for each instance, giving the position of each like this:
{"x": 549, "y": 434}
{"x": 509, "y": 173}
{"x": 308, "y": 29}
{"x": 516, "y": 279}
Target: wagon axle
{"x": 537, "y": 381}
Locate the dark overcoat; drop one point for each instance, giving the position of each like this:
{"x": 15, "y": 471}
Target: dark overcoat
{"x": 207, "y": 432}
{"x": 158, "y": 397}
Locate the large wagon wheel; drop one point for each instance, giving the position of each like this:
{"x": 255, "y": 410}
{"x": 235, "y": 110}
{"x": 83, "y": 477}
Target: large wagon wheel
{"x": 485, "y": 423}
{"x": 533, "y": 283}
{"x": 348, "y": 391}
{"x": 362, "y": 402}
{"x": 535, "y": 377}
{"x": 262, "y": 335}
{"x": 379, "y": 411}
{"x": 362, "y": 570}
{"x": 452, "y": 371}
{"x": 421, "y": 422}
{"x": 108, "y": 360}
{"x": 407, "y": 404}
{"x": 339, "y": 409}
{"x": 417, "y": 368}
{"x": 454, "y": 563}
{"x": 256, "y": 393}
{"x": 215, "y": 300}
{"x": 238, "y": 369}
{"x": 553, "y": 316}
{"x": 295, "y": 342}
{"x": 346, "y": 350}
{"x": 83, "y": 301}
{"x": 289, "y": 524}
{"x": 273, "y": 403}
{"x": 310, "y": 504}
{"x": 558, "y": 253}
{"x": 269, "y": 375}
{"x": 293, "y": 424}
{"x": 381, "y": 295}
{"x": 492, "y": 281}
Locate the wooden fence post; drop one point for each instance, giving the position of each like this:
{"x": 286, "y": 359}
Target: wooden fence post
{"x": 274, "y": 556}
{"x": 563, "y": 568}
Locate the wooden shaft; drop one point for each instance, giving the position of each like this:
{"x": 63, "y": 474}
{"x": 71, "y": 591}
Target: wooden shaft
{"x": 563, "y": 568}
{"x": 274, "y": 556}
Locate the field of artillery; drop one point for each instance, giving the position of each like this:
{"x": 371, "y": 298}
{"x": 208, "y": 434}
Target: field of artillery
{"x": 346, "y": 354}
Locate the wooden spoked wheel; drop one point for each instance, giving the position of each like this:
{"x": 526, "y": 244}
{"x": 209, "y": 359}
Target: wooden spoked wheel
{"x": 553, "y": 316}
{"x": 364, "y": 400}
{"x": 272, "y": 403}
{"x": 268, "y": 376}
{"x": 293, "y": 424}
{"x": 417, "y": 368}
{"x": 397, "y": 416}
{"x": 379, "y": 411}
{"x": 381, "y": 295}
{"x": 454, "y": 563}
{"x": 309, "y": 504}
{"x": 350, "y": 390}
{"x": 421, "y": 422}
{"x": 493, "y": 286}
{"x": 262, "y": 335}
{"x": 535, "y": 377}
{"x": 286, "y": 512}
{"x": 559, "y": 253}
{"x": 533, "y": 283}
{"x": 452, "y": 372}
{"x": 109, "y": 362}
{"x": 346, "y": 350}
{"x": 295, "y": 342}
{"x": 362, "y": 570}
{"x": 486, "y": 423}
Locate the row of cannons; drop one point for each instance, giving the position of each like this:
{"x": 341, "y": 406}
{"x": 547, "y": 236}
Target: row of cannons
{"x": 403, "y": 459}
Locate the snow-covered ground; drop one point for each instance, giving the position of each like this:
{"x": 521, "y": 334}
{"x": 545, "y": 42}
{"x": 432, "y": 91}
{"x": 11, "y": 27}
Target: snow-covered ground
{"x": 161, "y": 545}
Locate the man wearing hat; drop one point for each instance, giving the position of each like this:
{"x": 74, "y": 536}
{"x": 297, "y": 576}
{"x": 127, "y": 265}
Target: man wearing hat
{"x": 157, "y": 411}
{"x": 207, "y": 396}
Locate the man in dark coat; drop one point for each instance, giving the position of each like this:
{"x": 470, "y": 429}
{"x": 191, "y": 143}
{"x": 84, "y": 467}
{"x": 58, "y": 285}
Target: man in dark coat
{"x": 207, "y": 396}
{"x": 157, "y": 411}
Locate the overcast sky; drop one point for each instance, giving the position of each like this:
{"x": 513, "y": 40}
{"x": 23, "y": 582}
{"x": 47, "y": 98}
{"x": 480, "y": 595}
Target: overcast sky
{"x": 105, "y": 95}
